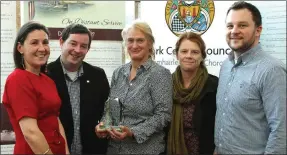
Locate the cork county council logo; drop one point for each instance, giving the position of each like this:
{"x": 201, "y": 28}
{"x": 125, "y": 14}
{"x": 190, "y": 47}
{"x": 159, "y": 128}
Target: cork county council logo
{"x": 189, "y": 16}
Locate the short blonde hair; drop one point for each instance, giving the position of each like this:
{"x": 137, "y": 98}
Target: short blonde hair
{"x": 145, "y": 29}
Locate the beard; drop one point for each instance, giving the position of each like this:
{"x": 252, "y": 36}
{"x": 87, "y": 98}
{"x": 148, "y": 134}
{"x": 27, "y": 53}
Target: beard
{"x": 246, "y": 45}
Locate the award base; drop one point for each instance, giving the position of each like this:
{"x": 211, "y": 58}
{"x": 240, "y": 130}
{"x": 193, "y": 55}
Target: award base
{"x": 117, "y": 128}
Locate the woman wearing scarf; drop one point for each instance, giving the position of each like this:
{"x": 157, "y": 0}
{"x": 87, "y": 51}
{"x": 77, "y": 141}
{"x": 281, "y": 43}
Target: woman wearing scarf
{"x": 194, "y": 100}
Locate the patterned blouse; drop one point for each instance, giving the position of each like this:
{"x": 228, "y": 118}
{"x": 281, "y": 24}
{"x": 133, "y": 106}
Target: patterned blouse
{"x": 147, "y": 105}
{"x": 190, "y": 135}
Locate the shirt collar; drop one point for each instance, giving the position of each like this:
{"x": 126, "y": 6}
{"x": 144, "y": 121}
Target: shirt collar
{"x": 247, "y": 56}
{"x": 80, "y": 71}
{"x": 146, "y": 65}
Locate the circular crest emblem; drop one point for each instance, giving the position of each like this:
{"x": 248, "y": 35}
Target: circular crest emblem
{"x": 189, "y": 16}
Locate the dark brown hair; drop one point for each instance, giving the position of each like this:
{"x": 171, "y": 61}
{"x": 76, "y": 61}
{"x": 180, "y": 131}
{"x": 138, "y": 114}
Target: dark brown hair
{"x": 76, "y": 29}
{"x": 22, "y": 34}
{"x": 256, "y": 16}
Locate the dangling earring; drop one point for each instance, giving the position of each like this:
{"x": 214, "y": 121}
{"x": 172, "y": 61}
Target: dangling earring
{"x": 22, "y": 60}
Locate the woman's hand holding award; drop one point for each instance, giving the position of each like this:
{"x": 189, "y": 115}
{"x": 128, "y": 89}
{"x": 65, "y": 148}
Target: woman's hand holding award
{"x": 113, "y": 115}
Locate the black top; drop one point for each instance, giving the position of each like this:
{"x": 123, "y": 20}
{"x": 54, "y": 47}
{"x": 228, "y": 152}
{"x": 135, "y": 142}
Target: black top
{"x": 204, "y": 116}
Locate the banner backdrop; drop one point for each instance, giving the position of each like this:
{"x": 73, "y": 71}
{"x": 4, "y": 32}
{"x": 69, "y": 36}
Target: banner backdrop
{"x": 207, "y": 18}
{"x": 106, "y": 47}
{"x": 8, "y": 33}
{"x": 104, "y": 18}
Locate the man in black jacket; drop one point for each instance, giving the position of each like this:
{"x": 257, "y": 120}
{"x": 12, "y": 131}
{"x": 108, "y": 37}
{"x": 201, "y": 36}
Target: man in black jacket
{"x": 83, "y": 89}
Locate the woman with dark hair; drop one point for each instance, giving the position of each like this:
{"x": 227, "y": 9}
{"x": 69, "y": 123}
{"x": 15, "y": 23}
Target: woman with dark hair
{"x": 30, "y": 97}
{"x": 194, "y": 100}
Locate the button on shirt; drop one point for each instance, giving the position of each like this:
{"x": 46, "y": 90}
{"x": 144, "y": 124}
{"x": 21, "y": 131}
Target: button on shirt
{"x": 251, "y": 105}
{"x": 147, "y": 104}
{"x": 73, "y": 85}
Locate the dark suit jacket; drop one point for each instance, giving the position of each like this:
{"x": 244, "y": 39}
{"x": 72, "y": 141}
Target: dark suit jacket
{"x": 94, "y": 91}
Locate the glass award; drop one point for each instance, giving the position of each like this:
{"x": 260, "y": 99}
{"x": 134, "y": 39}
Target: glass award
{"x": 113, "y": 114}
